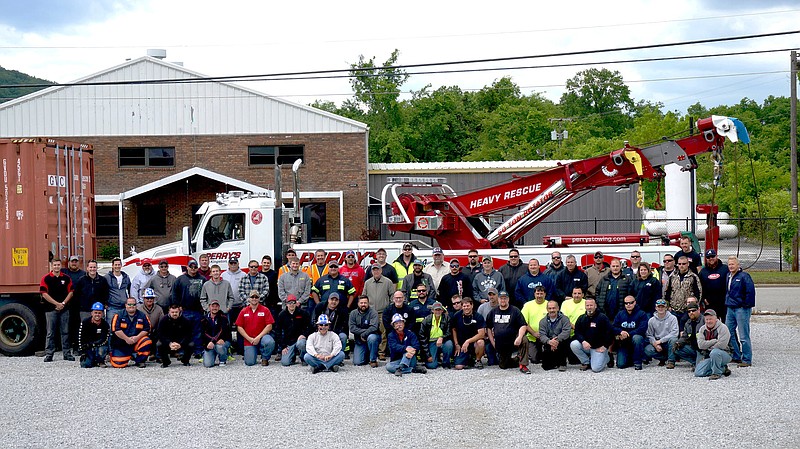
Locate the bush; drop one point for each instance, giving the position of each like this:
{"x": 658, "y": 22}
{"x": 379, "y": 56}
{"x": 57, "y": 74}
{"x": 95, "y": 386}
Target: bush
{"x": 108, "y": 251}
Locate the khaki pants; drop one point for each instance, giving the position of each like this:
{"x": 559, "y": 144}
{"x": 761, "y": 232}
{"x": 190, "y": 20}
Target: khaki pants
{"x": 383, "y": 343}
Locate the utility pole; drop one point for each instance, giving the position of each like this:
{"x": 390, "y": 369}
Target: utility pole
{"x": 793, "y": 150}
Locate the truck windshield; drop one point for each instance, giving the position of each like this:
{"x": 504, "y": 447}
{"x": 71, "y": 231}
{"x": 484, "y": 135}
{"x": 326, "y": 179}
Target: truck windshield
{"x": 223, "y": 228}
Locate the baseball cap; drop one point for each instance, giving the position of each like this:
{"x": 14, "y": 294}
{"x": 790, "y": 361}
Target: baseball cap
{"x": 376, "y": 266}
{"x": 711, "y": 253}
{"x": 503, "y": 293}
{"x": 191, "y": 262}
{"x": 214, "y": 301}
{"x": 709, "y": 312}
{"x": 417, "y": 262}
{"x": 692, "y": 307}
{"x": 333, "y": 295}
{"x": 437, "y": 305}
{"x": 333, "y": 263}
{"x": 73, "y": 257}
{"x": 163, "y": 262}
{"x": 598, "y": 254}
{"x": 149, "y": 293}
{"x": 233, "y": 260}
{"x": 98, "y": 306}
{"x": 407, "y": 246}
{"x": 455, "y": 263}
{"x": 397, "y": 317}
{"x": 291, "y": 298}
{"x": 485, "y": 258}
{"x": 661, "y": 302}
{"x": 491, "y": 290}
{"x": 147, "y": 261}
{"x": 350, "y": 253}
{"x": 437, "y": 250}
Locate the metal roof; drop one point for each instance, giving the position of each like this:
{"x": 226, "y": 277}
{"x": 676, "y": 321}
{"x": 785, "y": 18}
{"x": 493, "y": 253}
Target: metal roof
{"x": 204, "y": 108}
{"x": 463, "y": 167}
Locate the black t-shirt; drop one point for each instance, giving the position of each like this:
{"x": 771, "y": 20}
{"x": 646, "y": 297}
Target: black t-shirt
{"x": 467, "y": 327}
{"x": 505, "y": 324}
{"x": 58, "y": 287}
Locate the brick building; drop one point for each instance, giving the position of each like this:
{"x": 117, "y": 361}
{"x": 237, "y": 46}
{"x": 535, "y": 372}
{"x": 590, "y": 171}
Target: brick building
{"x": 163, "y": 149}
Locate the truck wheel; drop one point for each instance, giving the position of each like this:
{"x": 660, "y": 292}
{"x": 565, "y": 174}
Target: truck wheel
{"x": 18, "y": 329}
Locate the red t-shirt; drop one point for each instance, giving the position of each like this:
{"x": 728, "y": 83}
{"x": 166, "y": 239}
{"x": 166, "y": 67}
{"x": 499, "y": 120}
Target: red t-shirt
{"x": 254, "y": 322}
{"x": 356, "y": 276}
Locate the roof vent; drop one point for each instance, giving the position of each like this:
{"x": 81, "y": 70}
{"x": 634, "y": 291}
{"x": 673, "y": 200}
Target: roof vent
{"x": 158, "y": 53}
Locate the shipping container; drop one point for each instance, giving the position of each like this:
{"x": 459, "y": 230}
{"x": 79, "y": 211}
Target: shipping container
{"x": 46, "y": 212}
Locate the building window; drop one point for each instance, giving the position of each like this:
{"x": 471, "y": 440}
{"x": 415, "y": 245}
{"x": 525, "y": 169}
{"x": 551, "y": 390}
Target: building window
{"x": 151, "y": 220}
{"x": 147, "y": 157}
{"x": 263, "y": 155}
{"x": 107, "y": 221}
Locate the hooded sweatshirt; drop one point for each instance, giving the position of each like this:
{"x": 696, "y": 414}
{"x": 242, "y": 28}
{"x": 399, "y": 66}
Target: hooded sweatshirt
{"x": 662, "y": 328}
{"x": 634, "y": 323}
{"x": 139, "y": 282}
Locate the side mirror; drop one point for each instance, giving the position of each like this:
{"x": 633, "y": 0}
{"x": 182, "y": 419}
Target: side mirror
{"x": 186, "y": 244}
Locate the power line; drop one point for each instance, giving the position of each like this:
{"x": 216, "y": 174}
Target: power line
{"x": 422, "y": 37}
{"x": 296, "y": 75}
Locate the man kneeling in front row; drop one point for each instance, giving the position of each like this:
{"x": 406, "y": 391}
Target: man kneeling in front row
{"x": 93, "y": 339}
{"x": 403, "y": 348}
{"x": 323, "y": 348}
{"x": 714, "y": 343}
{"x": 130, "y": 329}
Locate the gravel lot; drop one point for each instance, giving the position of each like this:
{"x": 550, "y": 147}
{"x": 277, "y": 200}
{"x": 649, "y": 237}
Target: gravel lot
{"x": 59, "y": 404}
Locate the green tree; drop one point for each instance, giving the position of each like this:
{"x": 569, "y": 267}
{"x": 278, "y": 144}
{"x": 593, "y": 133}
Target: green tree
{"x": 600, "y": 97}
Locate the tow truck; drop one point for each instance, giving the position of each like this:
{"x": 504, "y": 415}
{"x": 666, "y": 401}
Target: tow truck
{"x": 249, "y": 225}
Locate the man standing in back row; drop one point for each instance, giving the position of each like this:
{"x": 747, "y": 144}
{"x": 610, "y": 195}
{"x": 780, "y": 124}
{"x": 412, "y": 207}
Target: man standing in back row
{"x": 740, "y": 300}
{"x": 56, "y": 289}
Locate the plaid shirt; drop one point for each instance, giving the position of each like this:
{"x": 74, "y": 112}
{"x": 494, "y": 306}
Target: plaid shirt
{"x": 261, "y": 283}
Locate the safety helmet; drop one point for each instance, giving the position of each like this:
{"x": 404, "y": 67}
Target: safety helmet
{"x": 323, "y": 319}
{"x": 98, "y": 306}
{"x": 149, "y": 293}
{"x": 397, "y": 317}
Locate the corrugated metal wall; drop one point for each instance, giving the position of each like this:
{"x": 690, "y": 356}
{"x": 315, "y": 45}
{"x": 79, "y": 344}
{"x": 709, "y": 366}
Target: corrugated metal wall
{"x": 160, "y": 109}
{"x": 576, "y": 217}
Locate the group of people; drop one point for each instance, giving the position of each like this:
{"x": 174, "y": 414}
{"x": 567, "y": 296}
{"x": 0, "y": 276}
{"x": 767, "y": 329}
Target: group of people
{"x": 415, "y": 316}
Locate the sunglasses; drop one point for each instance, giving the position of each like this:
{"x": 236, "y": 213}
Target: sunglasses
{"x": 683, "y": 263}
{"x": 630, "y": 302}
{"x": 322, "y": 325}
{"x": 456, "y": 302}
{"x": 669, "y": 260}
{"x": 255, "y": 297}
{"x": 517, "y": 257}
{"x": 556, "y": 257}
{"x": 473, "y": 257}
{"x": 422, "y": 291}
{"x": 636, "y": 257}
{"x": 255, "y": 267}
{"x": 406, "y": 249}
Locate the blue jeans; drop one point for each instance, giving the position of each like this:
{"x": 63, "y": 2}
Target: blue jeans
{"x": 403, "y": 364}
{"x": 685, "y": 352}
{"x": 360, "y": 349}
{"x": 491, "y": 354}
{"x": 714, "y": 364}
{"x": 315, "y": 362}
{"x": 433, "y": 351}
{"x": 94, "y": 356}
{"x": 739, "y": 318}
{"x": 57, "y": 321}
{"x": 299, "y": 347}
{"x": 220, "y": 351}
{"x": 597, "y": 360}
{"x": 343, "y": 339}
{"x": 631, "y": 348}
{"x": 195, "y": 317}
{"x": 265, "y": 347}
{"x": 666, "y": 346}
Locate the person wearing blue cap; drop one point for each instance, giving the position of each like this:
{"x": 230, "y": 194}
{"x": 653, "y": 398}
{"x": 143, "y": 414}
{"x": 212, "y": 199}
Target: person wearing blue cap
{"x": 93, "y": 338}
{"x": 323, "y": 348}
{"x": 403, "y": 348}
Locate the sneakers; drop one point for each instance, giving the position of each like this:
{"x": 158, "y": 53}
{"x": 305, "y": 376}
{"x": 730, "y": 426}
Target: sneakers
{"x": 670, "y": 365}
{"x": 316, "y": 369}
{"x": 562, "y": 368}
{"x": 382, "y": 358}
{"x": 141, "y": 365}
{"x": 727, "y": 371}
{"x": 102, "y": 365}
{"x": 373, "y": 364}
{"x": 69, "y": 358}
{"x": 398, "y": 372}
{"x": 335, "y": 368}
{"x": 714, "y": 377}
{"x": 524, "y": 369}
{"x": 231, "y": 358}
{"x": 637, "y": 366}
{"x": 48, "y": 358}
{"x": 743, "y": 364}
{"x": 223, "y": 363}
{"x": 584, "y": 367}
{"x": 478, "y": 364}
{"x": 419, "y": 369}
{"x": 264, "y": 362}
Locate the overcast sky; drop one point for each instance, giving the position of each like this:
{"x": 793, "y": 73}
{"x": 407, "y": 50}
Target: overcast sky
{"x": 62, "y": 40}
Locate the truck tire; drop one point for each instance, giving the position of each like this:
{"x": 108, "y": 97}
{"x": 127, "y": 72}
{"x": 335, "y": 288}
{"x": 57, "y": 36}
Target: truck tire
{"x": 18, "y": 329}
